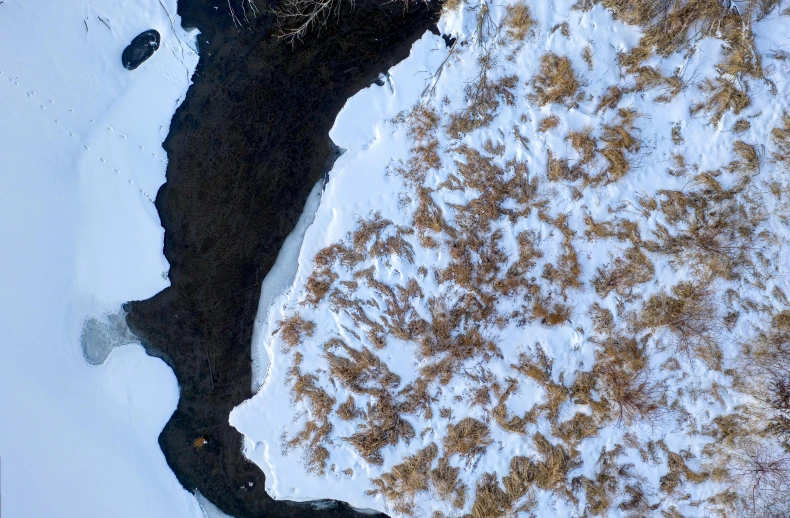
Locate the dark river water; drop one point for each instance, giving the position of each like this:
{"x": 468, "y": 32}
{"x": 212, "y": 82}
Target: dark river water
{"x": 244, "y": 149}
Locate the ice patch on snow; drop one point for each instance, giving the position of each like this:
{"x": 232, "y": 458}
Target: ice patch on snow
{"x": 100, "y": 335}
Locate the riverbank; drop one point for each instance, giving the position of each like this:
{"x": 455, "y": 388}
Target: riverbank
{"x": 244, "y": 150}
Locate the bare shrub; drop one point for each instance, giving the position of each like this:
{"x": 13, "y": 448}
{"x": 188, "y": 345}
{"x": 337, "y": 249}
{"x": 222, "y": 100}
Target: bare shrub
{"x": 296, "y": 18}
{"x": 690, "y": 314}
{"x": 761, "y": 476}
{"x": 768, "y": 368}
{"x": 713, "y": 228}
{"x": 623, "y": 273}
{"x": 555, "y": 82}
{"x": 483, "y": 97}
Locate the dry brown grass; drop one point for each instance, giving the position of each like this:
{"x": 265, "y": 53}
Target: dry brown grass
{"x": 741, "y": 126}
{"x": 748, "y": 162}
{"x": 679, "y": 474}
{"x": 669, "y": 25}
{"x": 292, "y": 329}
{"x": 587, "y": 56}
{"x": 556, "y": 82}
{"x": 422, "y": 123}
{"x": 348, "y": 411}
{"x": 723, "y": 95}
{"x": 407, "y": 479}
{"x": 511, "y": 423}
{"x": 383, "y": 427}
{"x": 780, "y": 136}
{"x": 518, "y": 22}
{"x": 361, "y": 371}
{"x": 548, "y": 123}
{"x": 713, "y": 229}
{"x": 468, "y": 438}
{"x": 610, "y": 99}
{"x": 623, "y": 274}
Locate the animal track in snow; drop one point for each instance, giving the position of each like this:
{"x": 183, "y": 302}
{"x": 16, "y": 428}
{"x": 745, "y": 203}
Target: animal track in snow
{"x": 32, "y": 93}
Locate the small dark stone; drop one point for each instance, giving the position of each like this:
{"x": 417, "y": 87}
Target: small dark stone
{"x": 140, "y": 49}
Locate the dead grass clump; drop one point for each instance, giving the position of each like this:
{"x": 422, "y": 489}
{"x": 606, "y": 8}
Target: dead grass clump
{"x": 723, "y": 95}
{"x": 610, "y": 99}
{"x": 741, "y": 126}
{"x": 511, "y": 423}
{"x": 361, "y": 371}
{"x": 677, "y": 137}
{"x": 690, "y": 314}
{"x": 551, "y": 313}
{"x": 406, "y": 480}
{"x": 748, "y": 162}
{"x": 293, "y": 328}
{"x": 552, "y": 472}
{"x": 670, "y": 25}
{"x": 713, "y": 228}
{"x": 318, "y": 285}
{"x": 679, "y": 473}
{"x": 422, "y": 122}
{"x": 348, "y": 411}
{"x": 558, "y": 169}
{"x": 587, "y": 56}
{"x": 383, "y": 427}
{"x": 584, "y": 144}
{"x": 576, "y": 429}
{"x": 550, "y": 122}
{"x": 623, "y": 274}
{"x": 467, "y": 438}
{"x": 556, "y": 82}
{"x": 619, "y": 142}
{"x": 491, "y": 501}
{"x": 518, "y": 21}
{"x": 446, "y": 483}
{"x": 781, "y": 139}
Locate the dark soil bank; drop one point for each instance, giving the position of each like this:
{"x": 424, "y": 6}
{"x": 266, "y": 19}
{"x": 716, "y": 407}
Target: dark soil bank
{"x": 245, "y": 148}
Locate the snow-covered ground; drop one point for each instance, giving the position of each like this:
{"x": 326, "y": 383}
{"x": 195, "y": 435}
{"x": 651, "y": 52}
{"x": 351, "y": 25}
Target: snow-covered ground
{"x": 285, "y": 433}
{"x": 80, "y": 162}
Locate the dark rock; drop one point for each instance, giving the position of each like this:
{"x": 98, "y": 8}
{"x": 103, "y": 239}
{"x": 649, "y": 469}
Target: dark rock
{"x": 140, "y": 49}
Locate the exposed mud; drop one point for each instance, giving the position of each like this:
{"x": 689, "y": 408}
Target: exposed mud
{"x": 244, "y": 149}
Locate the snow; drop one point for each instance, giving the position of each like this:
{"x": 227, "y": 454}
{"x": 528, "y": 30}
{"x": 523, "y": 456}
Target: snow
{"x": 361, "y": 184}
{"x": 81, "y": 160}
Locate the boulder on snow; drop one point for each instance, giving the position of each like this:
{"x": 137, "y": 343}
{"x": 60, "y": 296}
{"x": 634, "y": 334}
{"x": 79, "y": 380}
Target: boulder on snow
{"x": 140, "y": 49}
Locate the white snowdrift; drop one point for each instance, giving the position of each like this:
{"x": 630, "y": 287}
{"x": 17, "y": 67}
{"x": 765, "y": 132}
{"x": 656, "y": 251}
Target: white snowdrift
{"x": 80, "y": 162}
